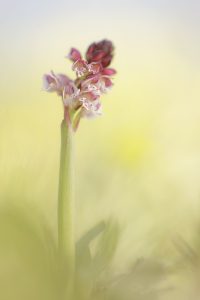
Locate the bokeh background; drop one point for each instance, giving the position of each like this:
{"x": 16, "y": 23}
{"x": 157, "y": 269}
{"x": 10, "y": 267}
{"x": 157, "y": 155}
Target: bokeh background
{"x": 140, "y": 161}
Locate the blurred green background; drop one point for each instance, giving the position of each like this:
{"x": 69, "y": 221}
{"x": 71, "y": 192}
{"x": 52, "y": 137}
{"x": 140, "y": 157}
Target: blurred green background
{"x": 140, "y": 161}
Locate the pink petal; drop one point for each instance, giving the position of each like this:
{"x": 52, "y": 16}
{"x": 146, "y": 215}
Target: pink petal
{"x": 108, "y": 72}
{"x": 74, "y": 55}
{"x": 63, "y": 80}
{"x": 50, "y": 82}
{"x": 108, "y": 82}
{"x": 56, "y": 83}
{"x": 47, "y": 79}
{"x": 105, "y": 84}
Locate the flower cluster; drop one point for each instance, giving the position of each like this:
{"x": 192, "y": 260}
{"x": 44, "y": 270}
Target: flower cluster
{"x": 81, "y": 97}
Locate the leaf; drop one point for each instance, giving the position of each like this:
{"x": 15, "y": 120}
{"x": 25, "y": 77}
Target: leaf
{"x": 84, "y": 277}
{"x": 106, "y": 248}
{"x": 83, "y": 256}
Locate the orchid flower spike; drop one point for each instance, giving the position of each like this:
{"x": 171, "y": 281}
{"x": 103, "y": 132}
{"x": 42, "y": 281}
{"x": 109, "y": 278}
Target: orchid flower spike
{"x": 81, "y": 96}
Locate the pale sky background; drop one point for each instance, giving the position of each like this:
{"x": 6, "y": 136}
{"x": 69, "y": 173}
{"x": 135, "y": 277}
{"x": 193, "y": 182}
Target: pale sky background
{"x": 33, "y": 31}
{"x": 21, "y": 18}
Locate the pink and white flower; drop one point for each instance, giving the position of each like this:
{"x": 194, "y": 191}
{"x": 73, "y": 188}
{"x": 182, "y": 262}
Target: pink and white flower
{"x": 93, "y": 79}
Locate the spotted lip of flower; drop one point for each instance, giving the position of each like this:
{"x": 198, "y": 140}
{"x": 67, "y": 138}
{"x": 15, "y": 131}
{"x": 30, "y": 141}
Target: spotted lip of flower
{"x": 92, "y": 109}
{"x": 91, "y": 105}
{"x": 80, "y": 67}
{"x": 100, "y": 52}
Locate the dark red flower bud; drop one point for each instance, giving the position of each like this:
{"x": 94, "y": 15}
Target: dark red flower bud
{"x": 101, "y": 52}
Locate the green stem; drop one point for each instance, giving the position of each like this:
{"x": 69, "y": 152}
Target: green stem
{"x": 66, "y": 245}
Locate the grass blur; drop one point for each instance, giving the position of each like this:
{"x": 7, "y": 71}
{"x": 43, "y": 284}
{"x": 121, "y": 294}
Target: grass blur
{"x": 137, "y": 167}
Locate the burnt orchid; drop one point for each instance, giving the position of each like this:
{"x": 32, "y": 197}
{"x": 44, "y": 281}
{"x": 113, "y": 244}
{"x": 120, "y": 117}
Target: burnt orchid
{"x": 81, "y": 97}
